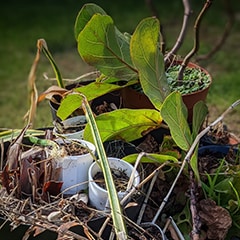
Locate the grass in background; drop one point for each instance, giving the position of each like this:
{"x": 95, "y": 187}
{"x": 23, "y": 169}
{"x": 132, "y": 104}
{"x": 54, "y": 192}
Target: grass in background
{"x": 23, "y": 23}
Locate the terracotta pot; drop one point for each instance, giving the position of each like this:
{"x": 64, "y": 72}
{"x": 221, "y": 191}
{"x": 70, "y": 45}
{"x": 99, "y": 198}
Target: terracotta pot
{"x": 192, "y": 98}
{"x": 136, "y": 100}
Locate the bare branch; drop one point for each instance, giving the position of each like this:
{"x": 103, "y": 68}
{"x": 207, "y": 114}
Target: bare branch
{"x": 196, "y": 38}
{"x": 178, "y": 44}
{"x": 228, "y": 27}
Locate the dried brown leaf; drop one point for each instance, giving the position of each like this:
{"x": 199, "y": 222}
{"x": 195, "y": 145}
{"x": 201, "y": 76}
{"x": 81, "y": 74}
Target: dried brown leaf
{"x": 33, "y": 229}
{"x": 14, "y": 151}
{"x": 53, "y": 187}
{"x": 50, "y": 92}
{"x": 65, "y": 227}
{"x": 216, "y": 218}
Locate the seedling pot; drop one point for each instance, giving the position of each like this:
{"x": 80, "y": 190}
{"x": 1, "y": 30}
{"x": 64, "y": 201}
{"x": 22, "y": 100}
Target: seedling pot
{"x": 98, "y": 196}
{"x": 71, "y": 123}
{"x": 74, "y": 169}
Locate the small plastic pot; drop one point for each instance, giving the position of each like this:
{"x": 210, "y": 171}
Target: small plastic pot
{"x": 98, "y": 196}
{"x": 74, "y": 169}
{"x": 71, "y": 123}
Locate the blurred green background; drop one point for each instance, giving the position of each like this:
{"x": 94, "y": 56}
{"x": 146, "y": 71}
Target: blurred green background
{"x": 22, "y": 23}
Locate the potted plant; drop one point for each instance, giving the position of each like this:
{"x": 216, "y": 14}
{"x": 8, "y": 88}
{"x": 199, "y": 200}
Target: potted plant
{"x": 138, "y": 60}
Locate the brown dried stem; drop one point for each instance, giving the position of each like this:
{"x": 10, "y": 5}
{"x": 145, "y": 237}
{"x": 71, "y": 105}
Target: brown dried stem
{"x": 196, "y": 39}
{"x": 228, "y": 27}
{"x": 178, "y": 44}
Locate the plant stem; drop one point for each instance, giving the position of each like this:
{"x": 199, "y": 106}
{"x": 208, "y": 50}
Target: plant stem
{"x": 196, "y": 39}
{"x": 178, "y": 44}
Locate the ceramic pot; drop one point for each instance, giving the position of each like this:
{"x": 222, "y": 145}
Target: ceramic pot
{"x": 74, "y": 169}
{"x": 98, "y": 196}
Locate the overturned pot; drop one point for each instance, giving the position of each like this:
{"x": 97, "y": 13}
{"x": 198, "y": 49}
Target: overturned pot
{"x": 98, "y": 195}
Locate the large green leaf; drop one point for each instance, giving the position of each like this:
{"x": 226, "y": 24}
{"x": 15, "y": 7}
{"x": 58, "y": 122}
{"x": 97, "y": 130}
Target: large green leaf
{"x": 103, "y": 46}
{"x": 147, "y": 58}
{"x": 174, "y": 113}
{"x": 92, "y": 90}
{"x": 126, "y": 124}
{"x": 84, "y": 15}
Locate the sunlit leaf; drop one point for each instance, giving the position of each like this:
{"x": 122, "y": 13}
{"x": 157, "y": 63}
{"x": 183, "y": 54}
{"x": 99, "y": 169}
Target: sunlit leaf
{"x": 126, "y": 124}
{"x": 85, "y": 14}
{"x": 147, "y": 58}
{"x": 92, "y": 90}
{"x": 174, "y": 113}
{"x": 103, "y": 46}
{"x": 151, "y": 158}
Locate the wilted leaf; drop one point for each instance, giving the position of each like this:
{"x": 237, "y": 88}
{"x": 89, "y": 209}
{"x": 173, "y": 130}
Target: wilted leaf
{"x": 216, "y": 218}
{"x": 103, "y": 46}
{"x": 126, "y": 124}
{"x": 14, "y": 151}
{"x": 33, "y": 230}
{"x": 65, "y": 226}
{"x": 174, "y": 113}
{"x": 50, "y": 92}
{"x": 147, "y": 58}
{"x": 53, "y": 187}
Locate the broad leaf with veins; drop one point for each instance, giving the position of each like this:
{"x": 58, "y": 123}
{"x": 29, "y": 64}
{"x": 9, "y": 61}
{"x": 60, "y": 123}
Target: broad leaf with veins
{"x": 147, "y": 58}
{"x": 103, "y": 46}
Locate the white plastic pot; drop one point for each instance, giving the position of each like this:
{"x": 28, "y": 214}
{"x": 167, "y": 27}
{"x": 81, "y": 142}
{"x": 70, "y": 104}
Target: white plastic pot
{"x": 73, "y": 121}
{"x": 74, "y": 169}
{"x": 98, "y": 196}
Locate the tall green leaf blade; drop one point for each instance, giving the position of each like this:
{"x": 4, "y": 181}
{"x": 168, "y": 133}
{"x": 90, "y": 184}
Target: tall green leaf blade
{"x": 84, "y": 15}
{"x": 125, "y": 124}
{"x": 116, "y": 210}
{"x": 147, "y": 58}
{"x": 200, "y": 111}
{"x": 174, "y": 113}
{"x": 103, "y": 46}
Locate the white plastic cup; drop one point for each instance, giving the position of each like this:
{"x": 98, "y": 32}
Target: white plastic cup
{"x": 72, "y": 122}
{"x": 75, "y": 169}
{"x": 98, "y": 196}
